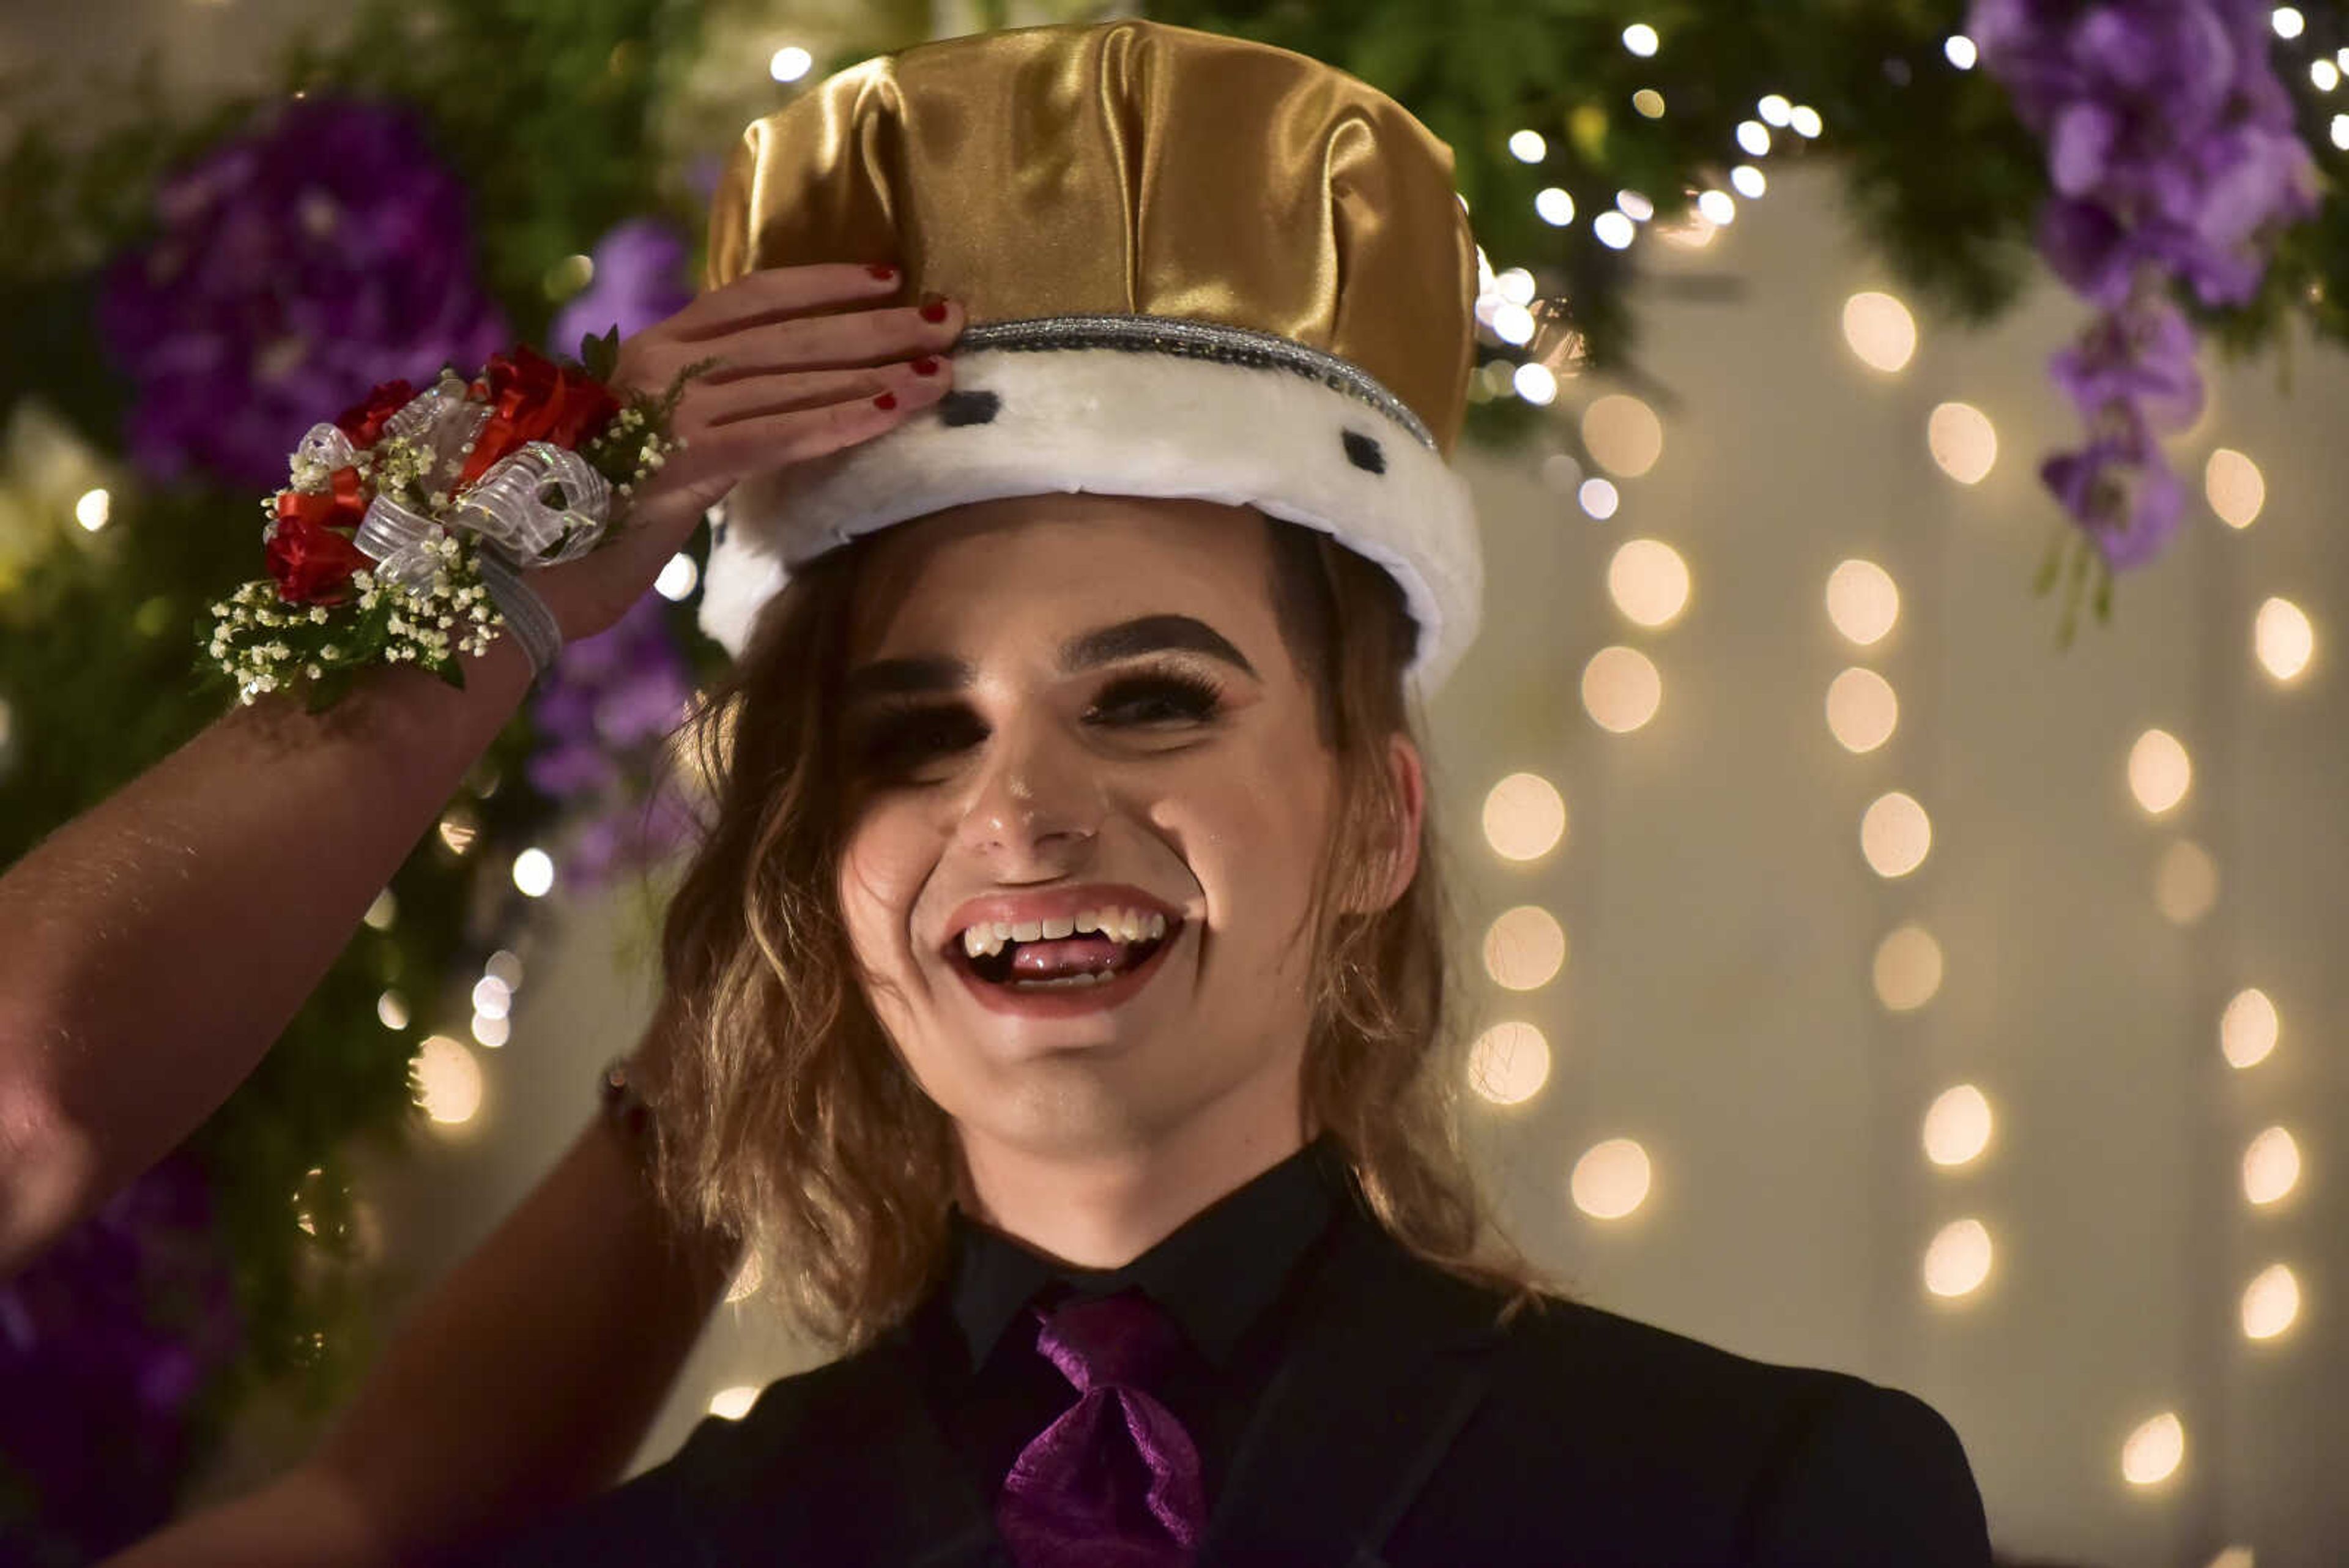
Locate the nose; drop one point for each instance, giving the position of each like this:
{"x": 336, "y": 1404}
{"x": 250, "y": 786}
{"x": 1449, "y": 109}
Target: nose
{"x": 1033, "y": 806}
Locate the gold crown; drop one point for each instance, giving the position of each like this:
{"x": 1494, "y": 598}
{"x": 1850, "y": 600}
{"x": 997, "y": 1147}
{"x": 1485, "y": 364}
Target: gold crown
{"x": 1188, "y": 224}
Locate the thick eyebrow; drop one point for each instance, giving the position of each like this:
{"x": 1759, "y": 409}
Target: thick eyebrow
{"x": 1087, "y": 650}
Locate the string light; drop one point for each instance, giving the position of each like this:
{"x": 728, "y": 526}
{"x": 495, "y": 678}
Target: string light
{"x": 1908, "y": 968}
{"x": 1805, "y": 121}
{"x": 1612, "y": 1180}
{"x": 2324, "y": 74}
{"x": 1614, "y": 230}
{"x": 1717, "y": 208}
{"x": 1599, "y": 498}
{"x": 1638, "y": 208}
{"x": 1958, "y": 1259}
{"x": 1621, "y": 688}
{"x": 391, "y": 1011}
{"x": 1536, "y": 383}
{"x": 2185, "y": 883}
{"x": 2282, "y": 640}
{"x": 533, "y": 873}
{"x": 2235, "y": 487}
{"x": 2270, "y": 1302}
{"x": 1776, "y": 109}
{"x": 1958, "y": 1126}
{"x": 1755, "y": 137}
{"x": 382, "y": 912}
{"x": 1623, "y": 434}
{"x": 1894, "y": 835}
{"x": 1962, "y": 441}
{"x": 1528, "y": 146}
{"x": 1553, "y": 206}
{"x": 1749, "y": 182}
{"x": 1862, "y": 601}
{"x": 1649, "y": 582}
{"x": 2155, "y": 1450}
{"x": 2271, "y": 1168}
{"x": 1862, "y": 710}
{"x": 1525, "y": 817}
{"x": 2288, "y": 22}
{"x": 733, "y": 1404}
{"x": 1641, "y": 40}
{"x": 447, "y": 1081}
{"x": 1648, "y": 103}
{"x": 93, "y": 510}
{"x": 790, "y": 63}
{"x": 1960, "y": 51}
{"x": 2249, "y": 1029}
{"x": 1880, "y": 331}
{"x": 1509, "y": 1064}
{"x": 1525, "y": 948}
{"x": 2159, "y": 771}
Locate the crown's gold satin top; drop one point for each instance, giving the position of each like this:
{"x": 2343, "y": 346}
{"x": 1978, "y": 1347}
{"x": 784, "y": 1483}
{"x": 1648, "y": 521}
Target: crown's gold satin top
{"x": 1127, "y": 167}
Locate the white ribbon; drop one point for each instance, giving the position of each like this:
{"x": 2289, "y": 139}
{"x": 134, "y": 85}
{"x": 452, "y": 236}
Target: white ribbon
{"x": 322, "y": 451}
{"x": 543, "y": 504}
{"x": 400, "y": 542}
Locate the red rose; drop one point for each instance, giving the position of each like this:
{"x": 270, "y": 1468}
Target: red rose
{"x": 534, "y": 399}
{"x": 363, "y": 421}
{"x": 308, "y": 555}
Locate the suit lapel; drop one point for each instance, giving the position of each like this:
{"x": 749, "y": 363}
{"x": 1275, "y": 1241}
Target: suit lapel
{"x": 855, "y": 1473}
{"x": 1390, "y": 1357}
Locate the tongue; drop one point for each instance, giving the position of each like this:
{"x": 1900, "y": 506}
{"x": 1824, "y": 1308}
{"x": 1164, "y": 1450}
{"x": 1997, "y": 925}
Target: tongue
{"x": 1072, "y": 955}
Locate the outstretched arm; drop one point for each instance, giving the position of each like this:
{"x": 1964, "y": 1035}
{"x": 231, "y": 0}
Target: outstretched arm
{"x": 521, "y": 1383}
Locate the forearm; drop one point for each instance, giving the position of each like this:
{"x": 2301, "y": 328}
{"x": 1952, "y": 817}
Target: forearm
{"x": 153, "y": 948}
{"x": 521, "y": 1383}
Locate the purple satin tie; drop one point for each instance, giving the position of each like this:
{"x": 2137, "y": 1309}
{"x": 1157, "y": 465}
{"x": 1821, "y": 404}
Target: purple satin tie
{"x": 1114, "y": 1481}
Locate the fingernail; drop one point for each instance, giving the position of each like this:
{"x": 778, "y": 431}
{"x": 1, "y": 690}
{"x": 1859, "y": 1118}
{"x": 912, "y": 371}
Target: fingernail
{"x": 886, "y": 400}
{"x": 883, "y": 272}
{"x": 926, "y": 366}
{"x": 933, "y": 308}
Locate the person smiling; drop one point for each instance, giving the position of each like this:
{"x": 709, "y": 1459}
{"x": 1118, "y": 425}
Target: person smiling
{"x": 1057, "y": 1000}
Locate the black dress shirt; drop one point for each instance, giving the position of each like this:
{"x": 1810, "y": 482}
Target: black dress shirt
{"x": 1223, "y": 1277}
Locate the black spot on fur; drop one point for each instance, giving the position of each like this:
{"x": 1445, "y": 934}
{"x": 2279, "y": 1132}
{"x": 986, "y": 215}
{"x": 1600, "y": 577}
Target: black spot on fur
{"x": 968, "y": 408}
{"x": 1363, "y": 451}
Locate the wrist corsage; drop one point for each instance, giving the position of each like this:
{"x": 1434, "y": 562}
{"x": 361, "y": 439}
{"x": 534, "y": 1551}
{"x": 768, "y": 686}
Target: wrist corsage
{"x": 408, "y": 521}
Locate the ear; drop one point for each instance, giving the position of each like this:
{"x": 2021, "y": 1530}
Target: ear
{"x": 1399, "y": 842}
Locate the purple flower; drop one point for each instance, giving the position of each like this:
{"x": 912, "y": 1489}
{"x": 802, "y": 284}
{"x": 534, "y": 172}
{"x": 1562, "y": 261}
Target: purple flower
{"x": 105, "y": 1342}
{"x": 2141, "y": 356}
{"x": 2122, "y": 489}
{"x": 297, "y": 266}
{"x": 603, "y": 718}
{"x": 2173, "y": 160}
{"x": 639, "y": 280}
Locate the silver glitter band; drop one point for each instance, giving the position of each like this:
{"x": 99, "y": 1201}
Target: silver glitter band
{"x": 526, "y": 614}
{"x": 1198, "y": 340}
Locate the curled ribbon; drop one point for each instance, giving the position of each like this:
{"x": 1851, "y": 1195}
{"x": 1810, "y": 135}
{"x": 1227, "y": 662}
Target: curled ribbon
{"x": 401, "y": 541}
{"x": 326, "y": 448}
{"x": 511, "y": 505}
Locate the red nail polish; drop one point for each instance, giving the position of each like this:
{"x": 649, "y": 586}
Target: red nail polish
{"x": 886, "y": 400}
{"x": 883, "y": 272}
{"x": 926, "y": 366}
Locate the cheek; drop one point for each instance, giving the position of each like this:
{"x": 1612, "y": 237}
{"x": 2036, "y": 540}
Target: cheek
{"x": 1253, "y": 836}
{"x": 886, "y": 861}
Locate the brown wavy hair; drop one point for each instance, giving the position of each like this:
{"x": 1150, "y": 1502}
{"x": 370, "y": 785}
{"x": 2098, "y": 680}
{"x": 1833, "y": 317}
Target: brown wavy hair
{"x": 787, "y": 1115}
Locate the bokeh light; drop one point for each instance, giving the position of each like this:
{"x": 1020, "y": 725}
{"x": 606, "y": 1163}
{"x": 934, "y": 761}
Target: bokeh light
{"x": 447, "y": 1081}
{"x": 2159, "y": 771}
{"x": 1621, "y": 688}
{"x": 2185, "y": 883}
{"x": 2271, "y": 1168}
{"x": 1963, "y": 442}
{"x": 1958, "y": 1258}
{"x": 1623, "y": 434}
{"x": 1908, "y": 968}
{"x": 1649, "y": 582}
{"x": 1611, "y": 1180}
{"x": 1525, "y": 817}
{"x": 1894, "y": 835}
{"x": 1958, "y": 1126}
{"x": 2270, "y": 1302}
{"x": 1509, "y": 1064}
{"x": 2249, "y": 1029}
{"x": 1862, "y": 710}
{"x": 1525, "y": 948}
{"x": 1880, "y": 331}
{"x": 2155, "y": 1450}
{"x": 2235, "y": 487}
{"x": 2283, "y": 639}
{"x": 1862, "y": 601}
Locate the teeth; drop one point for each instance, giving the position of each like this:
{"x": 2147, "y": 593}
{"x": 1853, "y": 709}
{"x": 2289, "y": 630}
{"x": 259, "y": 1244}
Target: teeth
{"x": 1062, "y": 983}
{"x": 986, "y": 938}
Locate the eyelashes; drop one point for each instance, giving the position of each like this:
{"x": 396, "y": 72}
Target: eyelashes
{"x": 904, "y": 736}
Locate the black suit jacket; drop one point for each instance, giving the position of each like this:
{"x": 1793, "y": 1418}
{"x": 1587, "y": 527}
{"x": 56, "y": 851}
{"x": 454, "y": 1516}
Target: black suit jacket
{"x": 1404, "y": 1427}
